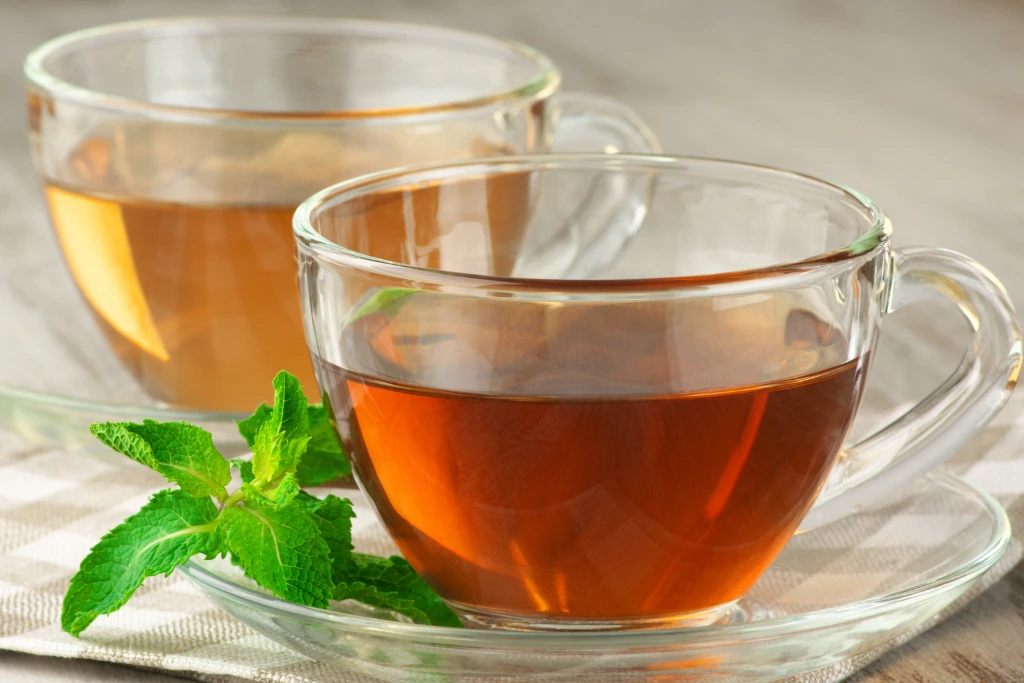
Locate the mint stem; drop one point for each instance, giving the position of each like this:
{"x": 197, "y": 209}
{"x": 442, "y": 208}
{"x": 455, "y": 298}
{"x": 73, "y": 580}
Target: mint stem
{"x": 232, "y": 500}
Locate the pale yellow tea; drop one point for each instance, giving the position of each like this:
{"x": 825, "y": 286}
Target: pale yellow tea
{"x": 200, "y": 299}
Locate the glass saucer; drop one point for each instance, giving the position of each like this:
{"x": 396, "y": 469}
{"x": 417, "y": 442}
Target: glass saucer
{"x": 834, "y": 592}
{"x": 61, "y": 420}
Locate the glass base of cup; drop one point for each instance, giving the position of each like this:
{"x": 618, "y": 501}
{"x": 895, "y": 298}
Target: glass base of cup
{"x": 474, "y": 617}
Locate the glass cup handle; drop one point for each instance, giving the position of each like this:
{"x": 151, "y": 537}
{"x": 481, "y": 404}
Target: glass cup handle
{"x": 874, "y": 470}
{"x": 596, "y": 123}
{"x": 615, "y": 204}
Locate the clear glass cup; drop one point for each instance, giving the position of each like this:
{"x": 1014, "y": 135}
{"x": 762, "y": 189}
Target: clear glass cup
{"x": 174, "y": 152}
{"x": 634, "y": 447}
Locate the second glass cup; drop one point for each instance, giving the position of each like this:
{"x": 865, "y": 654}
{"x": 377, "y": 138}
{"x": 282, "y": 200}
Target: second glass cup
{"x": 174, "y": 152}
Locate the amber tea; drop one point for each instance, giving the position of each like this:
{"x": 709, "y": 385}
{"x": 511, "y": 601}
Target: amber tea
{"x": 616, "y": 472}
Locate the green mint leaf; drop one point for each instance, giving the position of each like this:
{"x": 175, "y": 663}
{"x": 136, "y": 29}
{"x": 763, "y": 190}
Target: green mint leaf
{"x": 324, "y": 459}
{"x": 384, "y": 301}
{"x": 282, "y": 455}
{"x": 282, "y": 550}
{"x": 116, "y": 436}
{"x": 250, "y": 426}
{"x": 391, "y": 583}
{"x": 333, "y": 516}
{"x": 244, "y": 468}
{"x": 284, "y": 492}
{"x": 183, "y": 453}
{"x": 186, "y": 455}
{"x": 278, "y": 495}
{"x": 167, "y": 531}
{"x": 288, "y": 416}
{"x": 282, "y": 438}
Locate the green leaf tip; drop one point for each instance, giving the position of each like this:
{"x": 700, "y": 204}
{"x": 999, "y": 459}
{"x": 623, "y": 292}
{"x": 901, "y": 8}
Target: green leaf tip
{"x": 284, "y": 434}
{"x": 385, "y": 301}
{"x": 172, "y": 527}
{"x": 319, "y": 460}
{"x": 183, "y": 453}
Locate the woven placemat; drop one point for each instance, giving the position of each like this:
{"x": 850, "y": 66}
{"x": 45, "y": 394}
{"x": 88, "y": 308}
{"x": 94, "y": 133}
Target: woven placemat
{"x": 54, "y": 506}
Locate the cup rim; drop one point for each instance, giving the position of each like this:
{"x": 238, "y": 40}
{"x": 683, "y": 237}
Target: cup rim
{"x": 545, "y": 80}
{"x": 876, "y": 237}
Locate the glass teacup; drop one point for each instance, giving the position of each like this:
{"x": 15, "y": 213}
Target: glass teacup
{"x": 634, "y": 446}
{"x": 174, "y": 152}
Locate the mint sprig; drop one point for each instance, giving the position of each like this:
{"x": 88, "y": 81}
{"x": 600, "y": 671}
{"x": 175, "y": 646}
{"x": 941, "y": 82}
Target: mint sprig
{"x": 297, "y": 546}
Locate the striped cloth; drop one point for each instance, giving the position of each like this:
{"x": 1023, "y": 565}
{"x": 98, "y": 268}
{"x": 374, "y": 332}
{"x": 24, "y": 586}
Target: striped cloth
{"x": 54, "y": 506}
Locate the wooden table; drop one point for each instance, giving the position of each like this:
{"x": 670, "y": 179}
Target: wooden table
{"x": 918, "y": 104}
